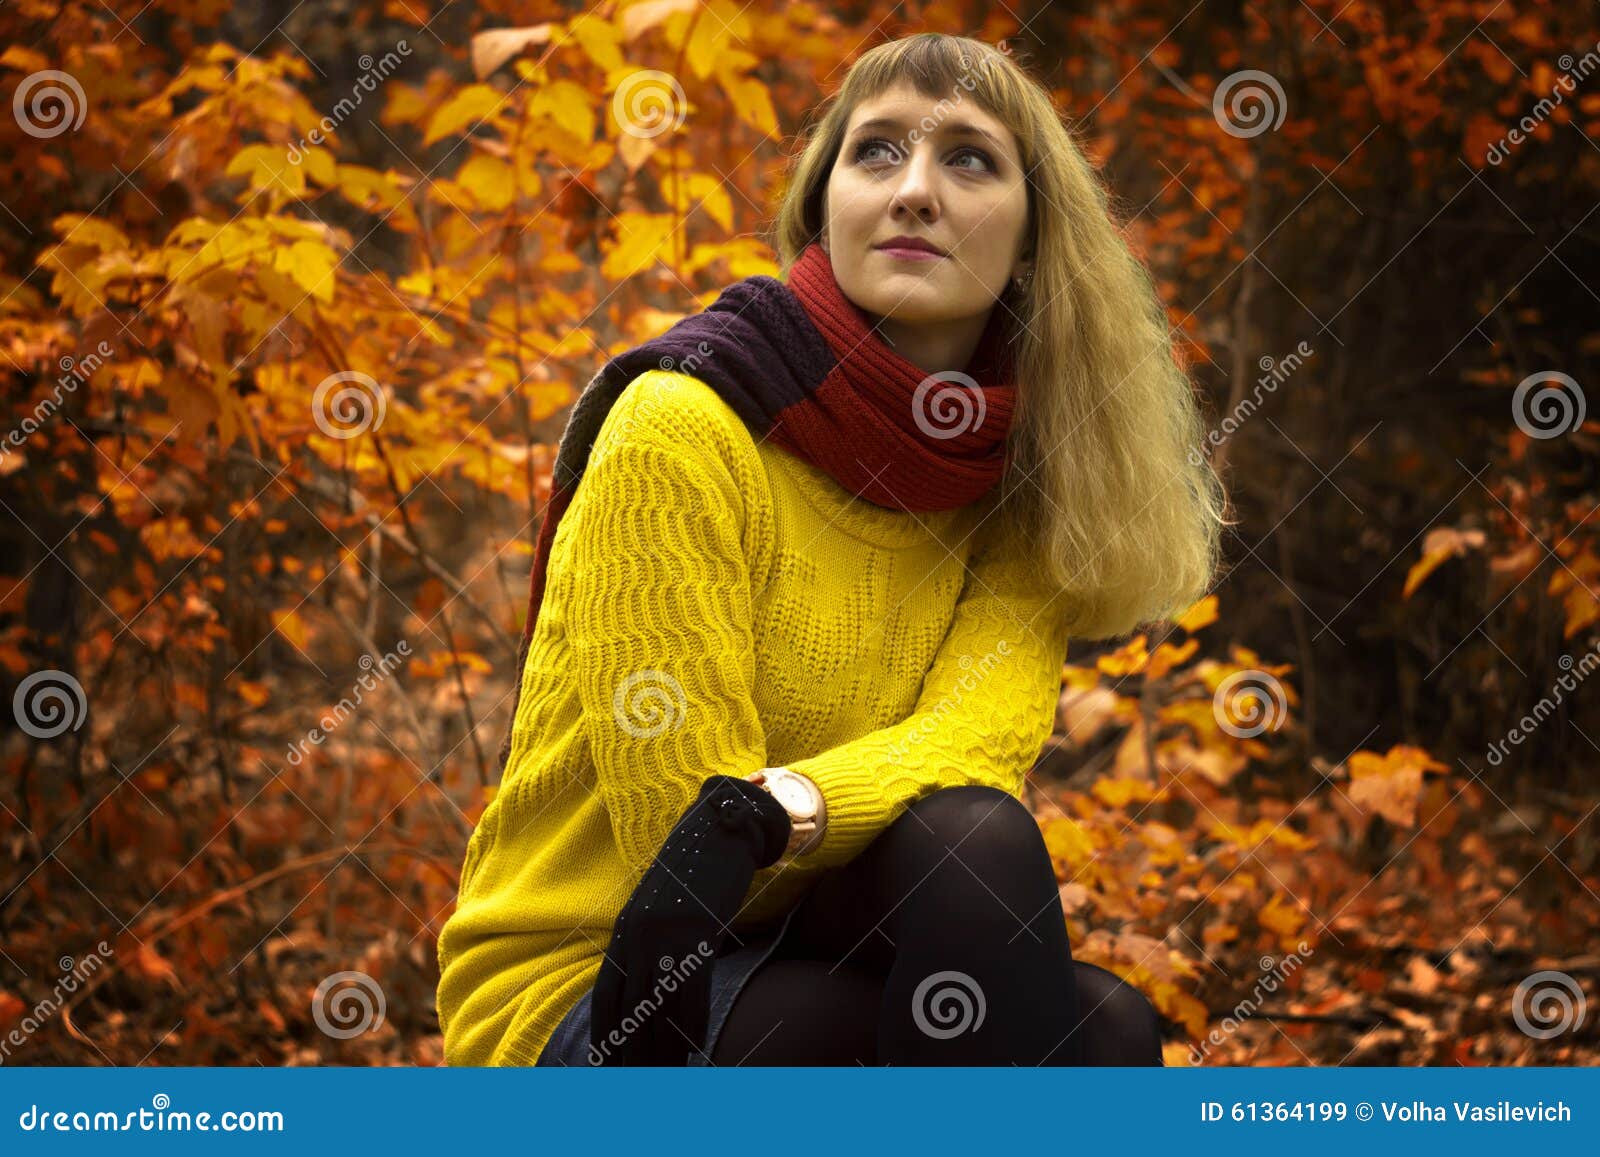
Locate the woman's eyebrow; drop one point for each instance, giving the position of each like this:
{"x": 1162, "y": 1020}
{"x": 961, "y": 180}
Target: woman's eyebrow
{"x": 954, "y": 128}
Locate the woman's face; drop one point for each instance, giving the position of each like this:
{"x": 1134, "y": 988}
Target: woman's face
{"x": 956, "y": 183}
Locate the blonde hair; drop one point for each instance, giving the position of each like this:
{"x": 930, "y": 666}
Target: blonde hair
{"x": 1106, "y": 480}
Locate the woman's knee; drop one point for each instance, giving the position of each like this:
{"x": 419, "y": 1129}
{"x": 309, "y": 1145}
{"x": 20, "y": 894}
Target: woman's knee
{"x": 981, "y": 825}
{"x": 1117, "y": 1024}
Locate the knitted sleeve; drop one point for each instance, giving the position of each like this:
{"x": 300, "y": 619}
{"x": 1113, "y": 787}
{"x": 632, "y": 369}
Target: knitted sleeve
{"x": 659, "y": 616}
{"x": 987, "y": 705}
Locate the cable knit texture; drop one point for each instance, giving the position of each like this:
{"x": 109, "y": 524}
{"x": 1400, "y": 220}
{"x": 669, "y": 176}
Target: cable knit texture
{"x": 716, "y": 606}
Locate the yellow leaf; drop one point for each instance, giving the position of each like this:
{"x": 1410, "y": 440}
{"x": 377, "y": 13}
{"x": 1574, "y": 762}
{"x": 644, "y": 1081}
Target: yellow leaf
{"x": 1167, "y": 657}
{"x": 489, "y": 180}
{"x": 81, "y": 230}
{"x": 1284, "y": 919}
{"x": 1202, "y": 614}
{"x": 570, "y": 105}
{"x": 319, "y": 163}
{"x": 1068, "y": 841}
{"x": 691, "y": 191}
{"x": 311, "y": 264}
{"x": 1119, "y": 791}
{"x": 469, "y": 107}
{"x": 268, "y": 167}
{"x": 723, "y": 24}
{"x": 600, "y": 39}
{"x": 753, "y": 103}
{"x": 643, "y": 237}
{"x": 367, "y": 188}
{"x": 746, "y": 256}
{"x": 1128, "y": 659}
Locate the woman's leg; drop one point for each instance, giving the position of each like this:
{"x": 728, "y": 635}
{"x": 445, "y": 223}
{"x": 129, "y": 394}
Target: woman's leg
{"x": 812, "y": 1012}
{"x": 966, "y": 896}
{"x": 866, "y": 919}
{"x": 802, "y": 1012}
{"x": 1119, "y": 1026}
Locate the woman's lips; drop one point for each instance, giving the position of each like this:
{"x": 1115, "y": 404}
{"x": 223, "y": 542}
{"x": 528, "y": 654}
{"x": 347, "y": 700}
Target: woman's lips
{"x": 910, "y": 254}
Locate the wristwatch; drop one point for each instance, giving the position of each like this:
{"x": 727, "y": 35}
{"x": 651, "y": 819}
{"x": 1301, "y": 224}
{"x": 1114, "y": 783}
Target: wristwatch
{"x": 802, "y": 800}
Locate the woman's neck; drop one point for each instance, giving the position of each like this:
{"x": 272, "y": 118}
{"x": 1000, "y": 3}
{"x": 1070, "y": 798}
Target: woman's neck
{"x": 933, "y": 347}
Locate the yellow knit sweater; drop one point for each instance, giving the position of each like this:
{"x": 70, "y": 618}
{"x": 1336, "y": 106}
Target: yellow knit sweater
{"x": 715, "y": 606}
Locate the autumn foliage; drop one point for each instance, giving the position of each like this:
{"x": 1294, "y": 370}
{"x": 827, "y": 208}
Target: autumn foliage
{"x": 290, "y": 319}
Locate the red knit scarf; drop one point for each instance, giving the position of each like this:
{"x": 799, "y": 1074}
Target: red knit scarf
{"x": 884, "y": 428}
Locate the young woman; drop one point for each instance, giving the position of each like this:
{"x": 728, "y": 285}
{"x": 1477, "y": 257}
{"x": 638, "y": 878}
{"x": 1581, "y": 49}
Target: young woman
{"x": 796, "y": 640}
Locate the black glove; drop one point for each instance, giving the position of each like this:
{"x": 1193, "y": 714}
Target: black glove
{"x": 656, "y": 975}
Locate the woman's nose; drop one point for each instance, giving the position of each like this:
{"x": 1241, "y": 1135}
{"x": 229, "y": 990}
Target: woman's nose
{"x": 915, "y": 189}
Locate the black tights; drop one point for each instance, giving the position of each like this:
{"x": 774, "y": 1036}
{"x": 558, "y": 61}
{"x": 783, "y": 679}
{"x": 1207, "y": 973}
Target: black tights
{"x": 942, "y": 943}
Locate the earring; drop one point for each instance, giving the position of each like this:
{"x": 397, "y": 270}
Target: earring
{"x": 1023, "y": 282}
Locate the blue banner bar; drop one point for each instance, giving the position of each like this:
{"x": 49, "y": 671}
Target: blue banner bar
{"x": 793, "y": 1110}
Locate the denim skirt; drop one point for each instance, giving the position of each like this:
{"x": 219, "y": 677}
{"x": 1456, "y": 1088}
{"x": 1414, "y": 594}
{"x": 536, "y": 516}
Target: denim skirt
{"x": 736, "y": 964}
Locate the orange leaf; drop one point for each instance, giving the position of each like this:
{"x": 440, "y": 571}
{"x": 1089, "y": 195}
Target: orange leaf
{"x": 1202, "y": 614}
{"x": 1439, "y": 544}
{"x": 291, "y": 626}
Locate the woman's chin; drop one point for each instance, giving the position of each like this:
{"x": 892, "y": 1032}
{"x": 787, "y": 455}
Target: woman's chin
{"x": 908, "y": 304}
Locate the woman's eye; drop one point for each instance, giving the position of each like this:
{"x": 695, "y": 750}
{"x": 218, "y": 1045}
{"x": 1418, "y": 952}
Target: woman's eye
{"x": 871, "y": 143}
{"x": 865, "y": 148}
{"x": 979, "y": 154}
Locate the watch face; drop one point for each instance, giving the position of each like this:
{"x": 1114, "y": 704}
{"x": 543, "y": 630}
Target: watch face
{"x": 792, "y": 794}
